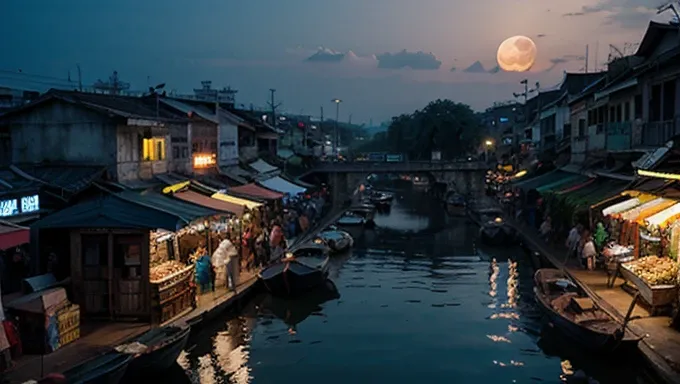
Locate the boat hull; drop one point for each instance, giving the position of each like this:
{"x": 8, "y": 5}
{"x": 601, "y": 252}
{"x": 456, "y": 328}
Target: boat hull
{"x": 290, "y": 283}
{"x": 496, "y": 235}
{"x": 456, "y": 210}
{"x": 583, "y": 336}
{"x": 161, "y": 359}
{"x": 107, "y": 369}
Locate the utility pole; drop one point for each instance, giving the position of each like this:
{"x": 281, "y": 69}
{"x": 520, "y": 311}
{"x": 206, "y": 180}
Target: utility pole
{"x": 337, "y": 119}
{"x": 323, "y": 136}
{"x": 80, "y": 78}
{"x": 273, "y": 105}
{"x": 586, "y": 58}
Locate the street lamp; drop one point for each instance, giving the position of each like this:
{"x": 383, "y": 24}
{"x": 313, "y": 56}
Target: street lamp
{"x": 337, "y": 119}
{"x": 487, "y": 144}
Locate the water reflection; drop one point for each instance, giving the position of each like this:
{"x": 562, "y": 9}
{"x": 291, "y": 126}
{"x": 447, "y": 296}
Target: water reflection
{"x": 414, "y": 308}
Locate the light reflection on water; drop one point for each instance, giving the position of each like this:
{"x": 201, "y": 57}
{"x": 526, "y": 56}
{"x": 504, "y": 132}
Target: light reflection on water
{"x": 421, "y": 309}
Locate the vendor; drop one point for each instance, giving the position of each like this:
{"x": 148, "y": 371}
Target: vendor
{"x": 588, "y": 252}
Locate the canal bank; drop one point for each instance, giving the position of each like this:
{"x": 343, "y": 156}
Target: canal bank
{"x": 103, "y": 337}
{"x": 418, "y": 283}
{"x": 660, "y": 345}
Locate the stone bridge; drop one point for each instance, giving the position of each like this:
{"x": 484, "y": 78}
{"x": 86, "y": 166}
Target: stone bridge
{"x": 465, "y": 177}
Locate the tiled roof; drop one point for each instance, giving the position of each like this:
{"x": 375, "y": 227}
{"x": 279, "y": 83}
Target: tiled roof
{"x": 122, "y": 106}
{"x": 69, "y": 178}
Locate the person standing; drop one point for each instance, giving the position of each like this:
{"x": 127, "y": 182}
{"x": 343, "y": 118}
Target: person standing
{"x": 573, "y": 240}
{"x": 588, "y": 252}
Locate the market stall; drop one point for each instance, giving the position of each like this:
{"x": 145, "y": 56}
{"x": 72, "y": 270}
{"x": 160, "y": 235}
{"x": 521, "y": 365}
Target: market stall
{"x": 655, "y": 278}
{"x": 625, "y": 224}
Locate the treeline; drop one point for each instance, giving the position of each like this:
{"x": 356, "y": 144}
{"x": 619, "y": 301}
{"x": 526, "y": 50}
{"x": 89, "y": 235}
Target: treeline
{"x": 443, "y": 125}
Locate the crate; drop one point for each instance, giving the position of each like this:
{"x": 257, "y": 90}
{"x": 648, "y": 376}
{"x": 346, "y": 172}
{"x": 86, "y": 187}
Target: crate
{"x": 68, "y": 318}
{"x": 69, "y": 336}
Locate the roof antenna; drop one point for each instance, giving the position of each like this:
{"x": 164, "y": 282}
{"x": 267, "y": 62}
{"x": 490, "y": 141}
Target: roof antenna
{"x": 670, "y": 6}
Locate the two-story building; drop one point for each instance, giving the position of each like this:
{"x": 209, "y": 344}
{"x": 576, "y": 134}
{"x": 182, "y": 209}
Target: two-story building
{"x": 129, "y": 136}
{"x": 555, "y": 117}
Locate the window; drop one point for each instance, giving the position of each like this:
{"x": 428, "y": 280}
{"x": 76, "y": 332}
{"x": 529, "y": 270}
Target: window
{"x": 185, "y": 152}
{"x": 582, "y": 128}
{"x": 153, "y": 149}
{"x": 618, "y": 113}
{"x": 637, "y": 107}
{"x": 626, "y": 111}
{"x": 175, "y": 153}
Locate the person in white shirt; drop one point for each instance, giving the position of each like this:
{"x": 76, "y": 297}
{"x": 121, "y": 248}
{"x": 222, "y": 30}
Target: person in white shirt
{"x": 573, "y": 239}
{"x": 588, "y": 253}
{"x": 546, "y": 228}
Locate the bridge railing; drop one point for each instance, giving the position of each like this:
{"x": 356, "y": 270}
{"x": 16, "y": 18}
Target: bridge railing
{"x": 408, "y": 166}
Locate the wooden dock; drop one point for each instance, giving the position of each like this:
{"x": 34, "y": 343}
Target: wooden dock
{"x": 660, "y": 344}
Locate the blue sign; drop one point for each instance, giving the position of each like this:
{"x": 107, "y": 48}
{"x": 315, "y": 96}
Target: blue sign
{"x": 504, "y": 119}
{"x": 14, "y": 207}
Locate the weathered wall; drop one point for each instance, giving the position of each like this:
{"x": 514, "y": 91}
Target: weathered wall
{"x": 59, "y": 132}
{"x": 130, "y": 166}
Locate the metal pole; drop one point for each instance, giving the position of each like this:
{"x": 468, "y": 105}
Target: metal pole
{"x": 337, "y": 118}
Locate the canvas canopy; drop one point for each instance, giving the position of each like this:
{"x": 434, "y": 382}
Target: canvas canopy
{"x": 282, "y": 185}
{"x": 262, "y": 166}
{"x": 236, "y": 200}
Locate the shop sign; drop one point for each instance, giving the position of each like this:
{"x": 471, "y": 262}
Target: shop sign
{"x": 204, "y": 160}
{"x": 14, "y": 207}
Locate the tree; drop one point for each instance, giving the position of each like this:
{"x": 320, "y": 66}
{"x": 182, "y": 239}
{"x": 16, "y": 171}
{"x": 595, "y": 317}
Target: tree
{"x": 444, "y": 125}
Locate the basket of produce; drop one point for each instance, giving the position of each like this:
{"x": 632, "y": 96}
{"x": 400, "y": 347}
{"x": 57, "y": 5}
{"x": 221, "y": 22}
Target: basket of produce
{"x": 655, "y": 277}
{"x": 170, "y": 272}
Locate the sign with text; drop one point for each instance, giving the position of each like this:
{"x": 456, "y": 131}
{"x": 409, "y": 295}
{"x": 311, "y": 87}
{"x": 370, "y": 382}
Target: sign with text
{"x": 15, "y": 207}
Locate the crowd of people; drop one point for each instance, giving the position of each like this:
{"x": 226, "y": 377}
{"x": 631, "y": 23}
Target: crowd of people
{"x": 529, "y": 208}
{"x": 266, "y": 234}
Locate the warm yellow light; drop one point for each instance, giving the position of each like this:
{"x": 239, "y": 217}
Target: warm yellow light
{"x": 153, "y": 149}
{"x": 204, "y": 160}
{"x": 488, "y": 143}
{"x": 520, "y": 173}
{"x": 236, "y": 200}
{"x": 498, "y": 220}
{"x": 176, "y": 187}
{"x": 658, "y": 175}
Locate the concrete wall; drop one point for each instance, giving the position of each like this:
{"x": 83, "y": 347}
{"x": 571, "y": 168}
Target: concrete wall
{"x": 58, "y": 132}
{"x": 130, "y": 166}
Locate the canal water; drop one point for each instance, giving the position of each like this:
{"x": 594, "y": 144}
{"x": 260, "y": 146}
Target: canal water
{"x": 415, "y": 302}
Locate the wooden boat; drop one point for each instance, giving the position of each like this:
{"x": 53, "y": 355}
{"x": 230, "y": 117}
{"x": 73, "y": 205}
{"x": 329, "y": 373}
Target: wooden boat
{"x": 105, "y": 369}
{"x": 456, "y": 205}
{"x": 336, "y": 240}
{"x": 297, "y": 273}
{"x": 572, "y": 312}
{"x": 496, "y": 232}
{"x": 156, "y": 350}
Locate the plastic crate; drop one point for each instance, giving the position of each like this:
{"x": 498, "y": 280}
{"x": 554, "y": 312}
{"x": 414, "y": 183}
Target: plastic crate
{"x": 68, "y": 318}
{"x": 69, "y": 336}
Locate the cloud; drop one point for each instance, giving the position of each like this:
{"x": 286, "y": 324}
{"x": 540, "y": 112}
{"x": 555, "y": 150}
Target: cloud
{"x": 557, "y": 61}
{"x": 624, "y": 13}
{"x": 476, "y": 67}
{"x": 404, "y": 59}
{"x": 325, "y": 55}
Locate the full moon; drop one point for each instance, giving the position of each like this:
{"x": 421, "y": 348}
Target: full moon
{"x": 516, "y": 54}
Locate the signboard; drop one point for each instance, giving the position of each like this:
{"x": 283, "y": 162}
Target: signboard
{"x": 204, "y": 160}
{"x": 394, "y": 158}
{"x": 227, "y": 137}
{"x": 15, "y": 207}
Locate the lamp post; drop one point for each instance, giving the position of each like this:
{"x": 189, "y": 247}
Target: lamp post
{"x": 487, "y": 145}
{"x": 337, "y": 119}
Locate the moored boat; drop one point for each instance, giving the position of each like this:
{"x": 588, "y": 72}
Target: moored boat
{"x": 337, "y": 240}
{"x": 456, "y": 205}
{"x": 294, "y": 311}
{"x": 108, "y": 368}
{"x": 156, "y": 350}
{"x": 575, "y": 314}
{"x": 293, "y": 275}
{"x": 496, "y": 232}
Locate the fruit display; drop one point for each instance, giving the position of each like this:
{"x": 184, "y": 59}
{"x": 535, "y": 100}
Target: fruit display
{"x": 655, "y": 270}
{"x": 163, "y": 270}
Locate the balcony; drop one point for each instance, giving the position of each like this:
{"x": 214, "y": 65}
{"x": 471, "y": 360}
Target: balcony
{"x": 619, "y": 136}
{"x": 657, "y": 133}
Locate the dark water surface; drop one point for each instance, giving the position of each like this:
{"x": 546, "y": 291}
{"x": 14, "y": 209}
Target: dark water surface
{"x": 412, "y": 308}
